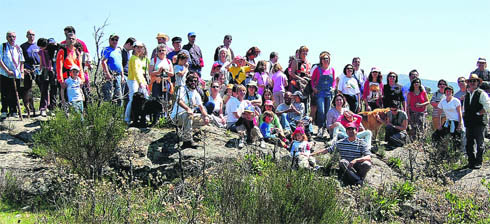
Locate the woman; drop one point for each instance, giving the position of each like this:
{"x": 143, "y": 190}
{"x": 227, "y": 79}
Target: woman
{"x": 438, "y": 116}
{"x": 137, "y": 66}
{"x": 452, "y": 109}
{"x": 349, "y": 86}
{"x": 214, "y": 106}
{"x": 279, "y": 84}
{"x": 322, "y": 83}
{"x": 48, "y": 91}
{"x": 339, "y": 104}
{"x": 299, "y": 69}
{"x": 373, "y": 89}
{"x": 161, "y": 72}
{"x": 392, "y": 91}
{"x": 261, "y": 77}
{"x": 253, "y": 97}
{"x": 250, "y": 56}
{"x": 417, "y": 105}
{"x": 222, "y": 60}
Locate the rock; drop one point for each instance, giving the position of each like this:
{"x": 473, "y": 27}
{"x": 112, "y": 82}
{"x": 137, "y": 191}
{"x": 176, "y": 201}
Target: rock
{"x": 381, "y": 174}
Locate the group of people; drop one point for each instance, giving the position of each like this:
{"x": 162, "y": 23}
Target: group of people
{"x": 259, "y": 99}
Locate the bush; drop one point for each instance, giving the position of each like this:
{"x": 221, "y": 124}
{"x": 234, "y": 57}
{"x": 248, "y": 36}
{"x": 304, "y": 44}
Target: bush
{"x": 84, "y": 143}
{"x": 379, "y": 205}
{"x": 395, "y": 162}
{"x": 10, "y": 191}
{"x": 278, "y": 195}
{"x": 404, "y": 191}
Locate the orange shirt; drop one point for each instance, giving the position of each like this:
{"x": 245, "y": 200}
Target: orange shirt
{"x": 72, "y": 58}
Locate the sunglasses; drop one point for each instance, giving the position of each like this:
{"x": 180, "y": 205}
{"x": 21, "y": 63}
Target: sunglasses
{"x": 115, "y": 39}
{"x": 416, "y": 83}
{"x": 391, "y": 76}
{"x": 326, "y": 58}
{"x": 461, "y": 81}
{"x": 215, "y": 87}
{"x": 350, "y": 68}
{"x": 162, "y": 50}
{"x": 193, "y": 81}
{"x": 442, "y": 84}
{"x": 472, "y": 80}
{"x": 11, "y": 36}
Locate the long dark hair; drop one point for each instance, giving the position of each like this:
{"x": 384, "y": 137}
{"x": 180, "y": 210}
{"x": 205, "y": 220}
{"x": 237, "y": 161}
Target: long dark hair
{"x": 416, "y": 80}
{"x": 379, "y": 79}
{"x": 391, "y": 73}
{"x": 341, "y": 96}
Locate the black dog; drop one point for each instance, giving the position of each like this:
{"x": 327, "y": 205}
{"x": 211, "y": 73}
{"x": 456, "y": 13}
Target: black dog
{"x": 26, "y": 94}
{"x": 140, "y": 108}
{"x": 153, "y": 107}
{"x": 138, "y": 116}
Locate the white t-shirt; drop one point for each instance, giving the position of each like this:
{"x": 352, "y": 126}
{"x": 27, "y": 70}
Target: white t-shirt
{"x": 218, "y": 102}
{"x": 190, "y": 97}
{"x": 349, "y": 86}
{"x": 449, "y": 108}
{"x": 234, "y": 105}
{"x": 73, "y": 89}
{"x": 165, "y": 64}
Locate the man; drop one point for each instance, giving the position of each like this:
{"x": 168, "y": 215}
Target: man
{"x": 70, "y": 31}
{"x": 226, "y": 45}
{"x": 396, "y": 125}
{"x": 235, "y": 106}
{"x": 476, "y": 105}
{"x": 195, "y": 61}
{"x": 126, "y": 53}
{"x": 273, "y": 59}
{"x": 411, "y": 75}
{"x": 177, "y": 44}
{"x": 67, "y": 57}
{"x": 30, "y": 51}
{"x": 355, "y": 157}
{"x": 358, "y": 72}
{"x": 462, "y": 89}
{"x": 12, "y": 70}
{"x": 481, "y": 70}
{"x": 161, "y": 39}
{"x": 183, "y": 110}
{"x": 113, "y": 71}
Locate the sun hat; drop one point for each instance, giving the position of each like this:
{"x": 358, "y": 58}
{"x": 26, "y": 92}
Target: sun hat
{"x": 298, "y": 93}
{"x": 375, "y": 69}
{"x": 138, "y": 43}
{"x": 163, "y": 35}
{"x": 474, "y": 76}
{"x": 249, "y": 108}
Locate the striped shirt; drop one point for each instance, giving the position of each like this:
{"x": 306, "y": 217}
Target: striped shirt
{"x": 352, "y": 150}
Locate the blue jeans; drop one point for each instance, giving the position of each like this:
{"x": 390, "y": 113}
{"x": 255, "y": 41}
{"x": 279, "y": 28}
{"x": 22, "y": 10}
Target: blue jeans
{"x": 209, "y": 107}
{"x": 112, "y": 90}
{"x": 285, "y": 122}
{"x": 323, "y": 105}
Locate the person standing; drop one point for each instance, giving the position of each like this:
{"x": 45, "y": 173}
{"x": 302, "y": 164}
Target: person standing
{"x": 349, "y": 86}
{"x": 138, "y": 66}
{"x": 12, "y": 70}
{"x": 226, "y": 45}
{"x": 481, "y": 70}
{"x": 438, "y": 116}
{"x": 359, "y": 72}
{"x": 66, "y": 58}
{"x": 30, "y": 51}
{"x": 476, "y": 107}
{"x": 177, "y": 44}
{"x": 322, "y": 83}
{"x": 462, "y": 89}
{"x": 196, "y": 61}
{"x": 161, "y": 39}
{"x": 113, "y": 71}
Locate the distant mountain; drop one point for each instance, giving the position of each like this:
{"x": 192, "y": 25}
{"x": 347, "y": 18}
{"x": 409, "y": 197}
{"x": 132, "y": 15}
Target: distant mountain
{"x": 432, "y": 84}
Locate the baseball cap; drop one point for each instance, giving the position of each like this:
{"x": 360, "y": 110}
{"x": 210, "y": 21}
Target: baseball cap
{"x": 191, "y": 34}
{"x": 74, "y": 67}
{"x": 176, "y": 40}
{"x": 113, "y": 35}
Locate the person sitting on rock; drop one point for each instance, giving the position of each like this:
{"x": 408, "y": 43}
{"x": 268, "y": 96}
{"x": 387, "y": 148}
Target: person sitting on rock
{"x": 340, "y": 132}
{"x": 183, "y": 112}
{"x": 300, "y": 149}
{"x": 269, "y": 133}
{"x": 291, "y": 112}
{"x": 396, "y": 125}
{"x": 246, "y": 126}
{"x": 355, "y": 157}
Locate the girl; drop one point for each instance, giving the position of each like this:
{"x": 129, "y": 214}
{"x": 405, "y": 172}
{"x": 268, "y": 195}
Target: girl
{"x": 261, "y": 77}
{"x": 373, "y": 89}
{"x": 268, "y": 132}
{"x": 301, "y": 149}
{"x": 279, "y": 83}
{"x": 181, "y": 70}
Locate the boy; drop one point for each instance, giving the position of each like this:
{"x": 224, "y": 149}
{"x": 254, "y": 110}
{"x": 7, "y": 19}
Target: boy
{"x": 73, "y": 90}
{"x": 267, "y": 131}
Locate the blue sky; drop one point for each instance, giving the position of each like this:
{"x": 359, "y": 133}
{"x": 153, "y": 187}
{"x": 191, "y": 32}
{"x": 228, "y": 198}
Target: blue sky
{"x": 441, "y": 39}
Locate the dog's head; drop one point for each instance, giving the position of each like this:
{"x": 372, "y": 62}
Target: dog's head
{"x": 153, "y": 105}
{"x": 138, "y": 100}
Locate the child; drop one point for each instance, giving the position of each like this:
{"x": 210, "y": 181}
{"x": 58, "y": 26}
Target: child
{"x": 239, "y": 70}
{"x": 247, "y": 126}
{"x": 180, "y": 70}
{"x": 73, "y": 90}
{"x": 268, "y": 132}
{"x": 297, "y": 117}
{"x": 301, "y": 148}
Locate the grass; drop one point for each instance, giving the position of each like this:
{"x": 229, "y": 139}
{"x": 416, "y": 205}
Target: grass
{"x": 10, "y": 214}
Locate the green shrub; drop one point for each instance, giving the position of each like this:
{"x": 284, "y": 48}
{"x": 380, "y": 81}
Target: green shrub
{"x": 84, "y": 143}
{"x": 395, "y": 162}
{"x": 462, "y": 210}
{"x": 10, "y": 190}
{"x": 378, "y": 205}
{"x": 404, "y": 191}
{"x": 277, "y": 196}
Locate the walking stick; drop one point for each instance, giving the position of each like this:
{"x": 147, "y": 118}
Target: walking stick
{"x": 17, "y": 97}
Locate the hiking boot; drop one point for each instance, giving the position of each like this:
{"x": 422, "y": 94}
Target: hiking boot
{"x": 4, "y": 115}
{"x": 320, "y": 133}
{"x": 43, "y": 113}
{"x": 189, "y": 144}
{"x": 15, "y": 115}
{"x": 476, "y": 167}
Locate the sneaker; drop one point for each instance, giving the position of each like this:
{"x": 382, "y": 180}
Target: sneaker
{"x": 43, "y": 113}
{"x": 240, "y": 143}
{"x": 320, "y": 133}
{"x": 15, "y": 115}
{"x": 262, "y": 144}
{"x": 476, "y": 167}
{"x": 4, "y": 115}
{"x": 189, "y": 144}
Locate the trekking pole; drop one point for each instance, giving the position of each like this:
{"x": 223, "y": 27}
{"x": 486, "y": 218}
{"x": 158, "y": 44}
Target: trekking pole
{"x": 17, "y": 97}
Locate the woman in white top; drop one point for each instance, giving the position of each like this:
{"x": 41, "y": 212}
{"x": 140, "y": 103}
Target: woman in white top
{"x": 161, "y": 70}
{"x": 349, "y": 86}
{"x": 454, "y": 117}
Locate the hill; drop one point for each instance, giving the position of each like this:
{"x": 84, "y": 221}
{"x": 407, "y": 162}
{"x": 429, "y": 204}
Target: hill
{"x": 432, "y": 84}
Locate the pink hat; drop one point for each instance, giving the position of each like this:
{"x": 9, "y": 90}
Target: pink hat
{"x": 299, "y": 130}
{"x": 238, "y": 57}
{"x": 269, "y": 103}
{"x": 351, "y": 125}
{"x": 216, "y": 64}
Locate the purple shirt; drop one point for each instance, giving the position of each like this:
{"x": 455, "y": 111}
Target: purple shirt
{"x": 261, "y": 80}
{"x": 279, "y": 79}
